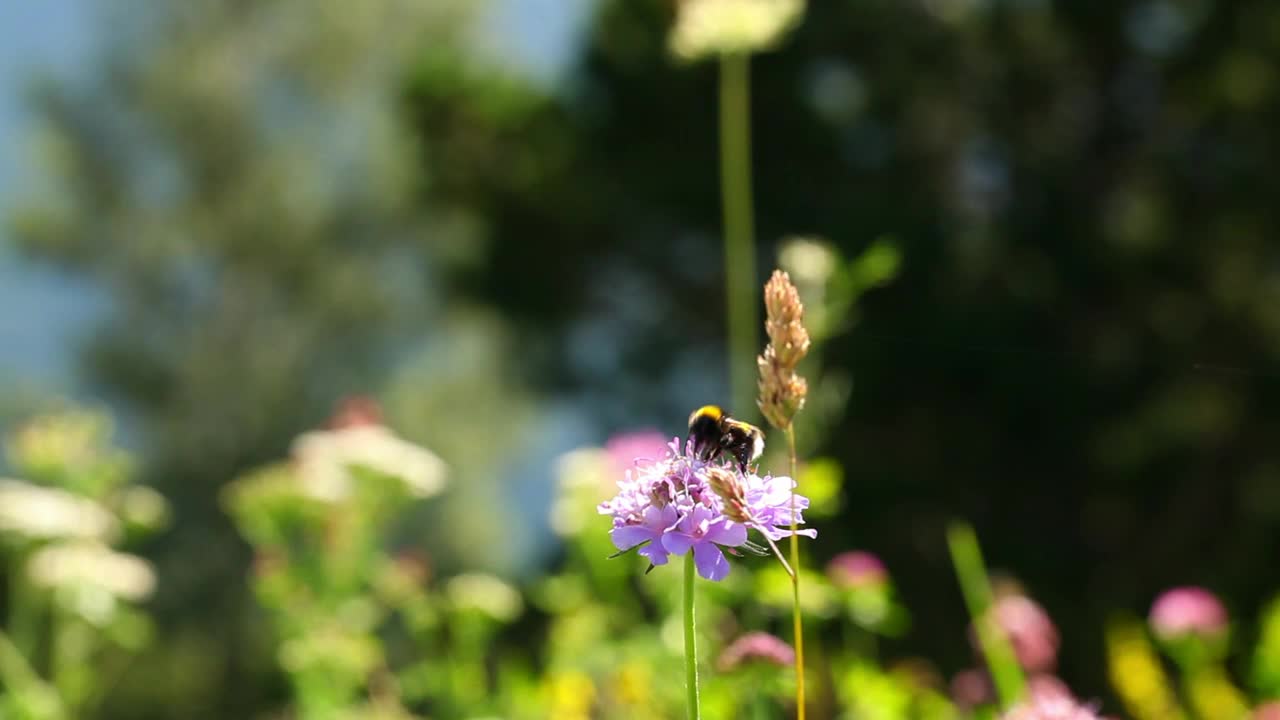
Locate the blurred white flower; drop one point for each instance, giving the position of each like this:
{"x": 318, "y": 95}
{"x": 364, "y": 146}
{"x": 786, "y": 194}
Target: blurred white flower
{"x": 581, "y": 474}
{"x": 809, "y": 260}
{"x": 45, "y": 513}
{"x": 710, "y": 27}
{"x": 325, "y": 459}
{"x": 142, "y": 507}
{"x": 330, "y": 646}
{"x": 486, "y": 593}
{"x": 86, "y": 563}
{"x": 584, "y": 467}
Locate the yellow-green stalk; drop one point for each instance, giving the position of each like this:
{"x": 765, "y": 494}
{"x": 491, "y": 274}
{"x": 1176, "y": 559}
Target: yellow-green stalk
{"x": 782, "y": 395}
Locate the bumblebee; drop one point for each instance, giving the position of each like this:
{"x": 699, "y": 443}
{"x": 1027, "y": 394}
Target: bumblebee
{"x": 713, "y": 434}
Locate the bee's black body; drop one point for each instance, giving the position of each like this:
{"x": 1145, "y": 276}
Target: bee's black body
{"x": 713, "y": 433}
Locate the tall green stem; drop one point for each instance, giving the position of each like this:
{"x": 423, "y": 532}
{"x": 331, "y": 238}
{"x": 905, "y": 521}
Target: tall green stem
{"x": 25, "y": 614}
{"x": 972, "y": 573}
{"x": 797, "y": 621}
{"x": 739, "y": 226}
{"x": 690, "y": 641}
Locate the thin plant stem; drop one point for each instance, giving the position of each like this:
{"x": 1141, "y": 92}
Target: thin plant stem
{"x": 777, "y": 553}
{"x": 966, "y": 556}
{"x": 690, "y": 641}
{"x": 24, "y": 611}
{"x": 739, "y": 225}
{"x": 797, "y": 621}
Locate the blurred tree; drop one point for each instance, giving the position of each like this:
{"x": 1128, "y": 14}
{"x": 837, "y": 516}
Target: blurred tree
{"x": 238, "y": 178}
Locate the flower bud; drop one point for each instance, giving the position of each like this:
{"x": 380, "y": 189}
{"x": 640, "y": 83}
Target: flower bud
{"x": 725, "y": 484}
{"x": 1186, "y": 611}
{"x": 756, "y": 647}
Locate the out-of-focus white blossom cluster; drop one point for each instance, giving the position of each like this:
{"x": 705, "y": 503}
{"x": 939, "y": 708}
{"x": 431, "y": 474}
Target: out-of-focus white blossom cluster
{"x": 35, "y": 512}
{"x": 487, "y": 594}
{"x": 74, "y": 504}
{"x": 347, "y": 468}
{"x": 583, "y": 478}
{"x": 70, "y": 534}
{"x": 724, "y": 27}
{"x": 91, "y": 578}
{"x": 325, "y": 461}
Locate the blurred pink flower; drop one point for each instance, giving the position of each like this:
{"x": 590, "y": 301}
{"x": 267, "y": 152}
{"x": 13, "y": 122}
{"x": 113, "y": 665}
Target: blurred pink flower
{"x": 1044, "y": 687}
{"x": 756, "y": 647}
{"x": 1030, "y": 631}
{"x": 1187, "y": 610}
{"x": 355, "y": 411}
{"x": 1267, "y": 711}
{"x": 624, "y": 449}
{"x": 1050, "y": 706}
{"x": 855, "y": 570}
{"x": 972, "y": 688}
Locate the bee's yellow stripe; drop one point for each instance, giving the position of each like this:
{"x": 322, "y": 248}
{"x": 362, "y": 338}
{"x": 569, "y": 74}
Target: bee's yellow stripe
{"x": 712, "y": 411}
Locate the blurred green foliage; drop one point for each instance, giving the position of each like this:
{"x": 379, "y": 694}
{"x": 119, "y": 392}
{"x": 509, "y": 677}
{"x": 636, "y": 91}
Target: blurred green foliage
{"x": 72, "y": 618}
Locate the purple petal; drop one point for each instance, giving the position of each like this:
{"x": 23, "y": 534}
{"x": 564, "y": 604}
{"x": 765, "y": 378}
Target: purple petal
{"x": 659, "y": 519}
{"x": 727, "y": 533}
{"x": 711, "y": 563}
{"x": 677, "y": 543}
{"x": 696, "y": 522}
{"x": 629, "y": 536}
{"x": 654, "y": 552}
{"x": 782, "y": 531}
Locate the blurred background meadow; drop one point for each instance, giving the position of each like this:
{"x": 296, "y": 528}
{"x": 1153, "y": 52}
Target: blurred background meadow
{"x": 326, "y": 325}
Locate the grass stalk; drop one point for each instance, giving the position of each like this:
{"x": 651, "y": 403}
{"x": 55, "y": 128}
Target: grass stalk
{"x": 796, "y": 616}
{"x": 1002, "y": 663}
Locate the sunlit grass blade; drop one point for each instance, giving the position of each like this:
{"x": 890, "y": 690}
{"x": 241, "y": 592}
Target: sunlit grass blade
{"x": 966, "y": 556}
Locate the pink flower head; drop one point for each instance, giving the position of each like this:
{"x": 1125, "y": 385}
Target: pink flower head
{"x": 1267, "y": 711}
{"x": 758, "y": 647}
{"x": 1050, "y": 706}
{"x": 356, "y": 411}
{"x": 856, "y": 570}
{"x": 1030, "y": 631}
{"x": 1046, "y": 687}
{"x": 1187, "y": 610}
{"x": 627, "y": 449}
{"x": 972, "y": 688}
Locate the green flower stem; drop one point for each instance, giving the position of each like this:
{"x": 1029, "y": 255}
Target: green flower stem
{"x": 966, "y": 556}
{"x": 797, "y": 620}
{"x": 690, "y": 641}
{"x": 739, "y": 226}
{"x": 24, "y": 609}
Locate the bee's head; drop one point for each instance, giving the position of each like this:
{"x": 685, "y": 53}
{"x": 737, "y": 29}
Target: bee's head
{"x": 704, "y": 430}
